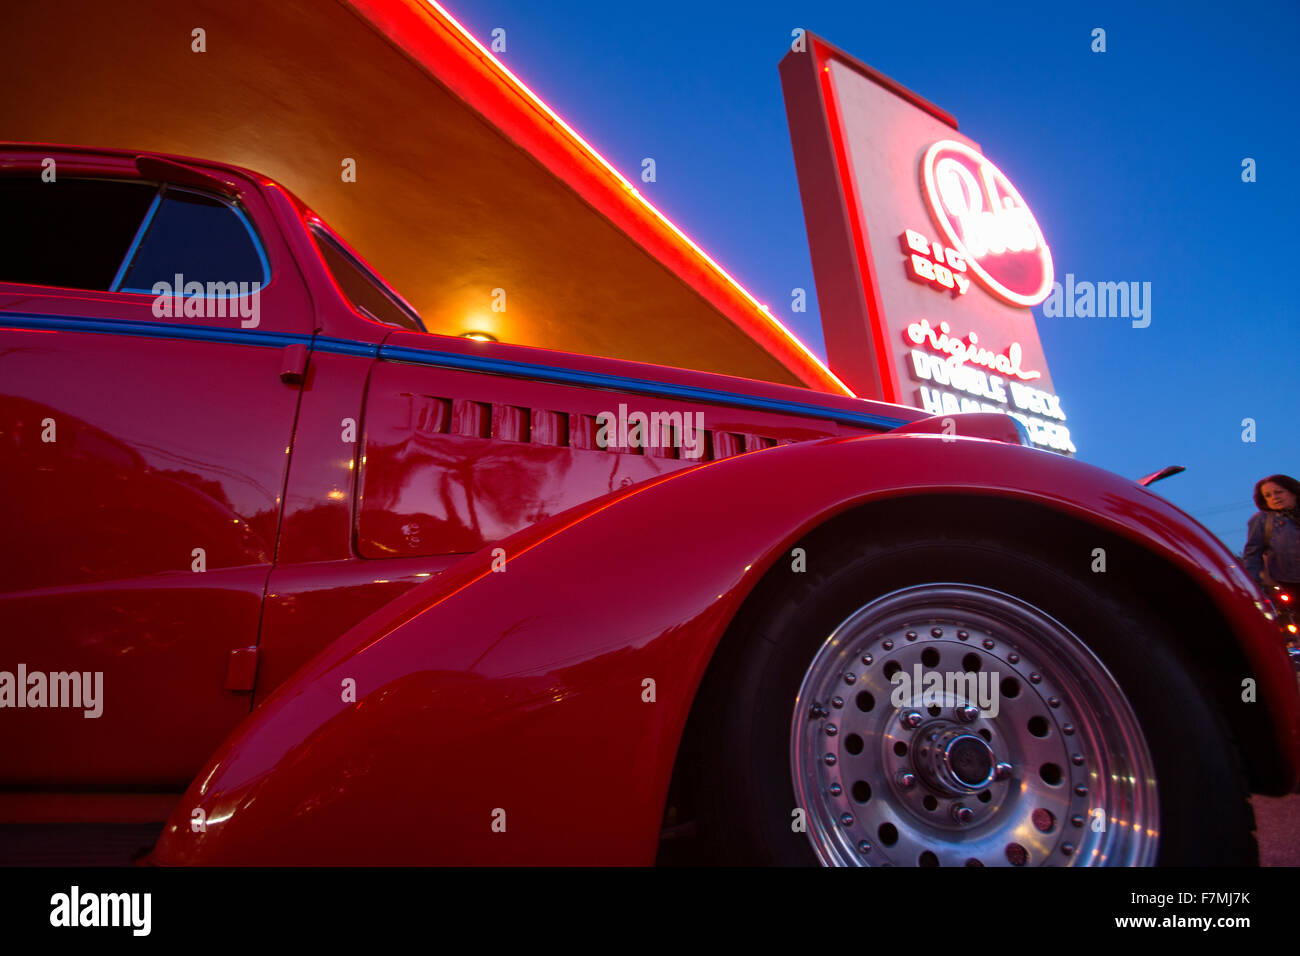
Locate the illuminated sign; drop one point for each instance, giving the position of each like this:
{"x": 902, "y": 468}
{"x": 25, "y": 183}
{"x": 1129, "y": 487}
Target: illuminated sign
{"x": 888, "y": 181}
{"x": 934, "y": 263}
{"x": 983, "y": 216}
{"x": 943, "y": 365}
{"x": 969, "y": 350}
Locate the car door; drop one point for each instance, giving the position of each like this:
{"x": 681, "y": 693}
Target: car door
{"x": 145, "y": 431}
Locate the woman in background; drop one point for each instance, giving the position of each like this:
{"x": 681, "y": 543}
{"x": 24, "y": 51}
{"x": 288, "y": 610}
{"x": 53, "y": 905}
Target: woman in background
{"x": 1272, "y": 552}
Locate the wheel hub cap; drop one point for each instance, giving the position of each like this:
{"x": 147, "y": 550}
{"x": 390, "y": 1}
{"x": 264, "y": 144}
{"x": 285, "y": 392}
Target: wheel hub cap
{"x": 953, "y": 759}
{"x": 950, "y": 725}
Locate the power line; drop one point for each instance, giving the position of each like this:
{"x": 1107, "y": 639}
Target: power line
{"x": 1224, "y": 509}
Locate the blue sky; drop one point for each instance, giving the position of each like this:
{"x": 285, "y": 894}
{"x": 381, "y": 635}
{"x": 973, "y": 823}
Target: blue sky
{"x": 1130, "y": 159}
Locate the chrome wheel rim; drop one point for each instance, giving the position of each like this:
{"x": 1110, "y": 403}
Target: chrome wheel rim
{"x": 1037, "y": 760}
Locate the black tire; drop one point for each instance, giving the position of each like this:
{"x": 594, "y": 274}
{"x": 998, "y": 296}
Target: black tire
{"x": 745, "y": 797}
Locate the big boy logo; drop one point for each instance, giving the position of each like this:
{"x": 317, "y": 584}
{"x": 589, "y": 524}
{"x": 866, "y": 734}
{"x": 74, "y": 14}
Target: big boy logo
{"x": 985, "y": 219}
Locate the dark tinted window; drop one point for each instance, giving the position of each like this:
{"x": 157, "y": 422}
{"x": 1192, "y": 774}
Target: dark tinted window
{"x": 197, "y": 237}
{"x": 71, "y": 232}
{"x": 366, "y": 293}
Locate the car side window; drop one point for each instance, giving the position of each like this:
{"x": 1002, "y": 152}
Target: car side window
{"x": 124, "y": 236}
{"x": 71, "y": 233}
{"x": 365, "y": 291}
{"x": 196, "y": 236}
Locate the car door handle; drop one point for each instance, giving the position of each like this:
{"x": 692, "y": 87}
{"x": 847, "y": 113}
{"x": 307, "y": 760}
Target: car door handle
{"x": 293, "y": 367}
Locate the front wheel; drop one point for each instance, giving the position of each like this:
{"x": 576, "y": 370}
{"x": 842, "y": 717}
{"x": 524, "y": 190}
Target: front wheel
{"x": 997, "y": 738}
{"x": 959, "y": 703}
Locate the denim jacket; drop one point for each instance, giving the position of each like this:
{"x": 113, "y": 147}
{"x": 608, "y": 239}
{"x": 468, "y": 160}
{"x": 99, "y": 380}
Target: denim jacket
{"x": 1283, "y": 547}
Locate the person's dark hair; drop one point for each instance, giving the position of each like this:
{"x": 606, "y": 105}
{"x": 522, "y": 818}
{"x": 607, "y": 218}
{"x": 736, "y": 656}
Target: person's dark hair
{"x": 1286, "y": 481}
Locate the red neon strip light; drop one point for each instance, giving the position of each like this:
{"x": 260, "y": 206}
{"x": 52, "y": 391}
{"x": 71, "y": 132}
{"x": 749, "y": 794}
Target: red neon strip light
{"x": 800, "y": 352}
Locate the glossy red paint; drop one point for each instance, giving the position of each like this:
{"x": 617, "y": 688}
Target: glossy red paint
{"x": 167, "y": 444}
{"x": 161, "y": 446}
{"x": 453, "y": 459}
{"x": 309, "y": 604}
{"x": 990, "y": 425}
{"x": 335, "y": 513}
{"x": 521, "y": 690}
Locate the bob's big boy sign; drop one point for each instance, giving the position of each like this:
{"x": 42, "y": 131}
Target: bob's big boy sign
{"x": 926, "y": 256}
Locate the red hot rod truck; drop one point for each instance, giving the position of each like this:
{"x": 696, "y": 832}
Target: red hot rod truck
{"x": 288, "y": 579}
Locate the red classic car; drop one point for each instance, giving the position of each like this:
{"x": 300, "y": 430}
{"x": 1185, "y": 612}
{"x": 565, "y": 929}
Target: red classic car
{"x": 288, "y": 579}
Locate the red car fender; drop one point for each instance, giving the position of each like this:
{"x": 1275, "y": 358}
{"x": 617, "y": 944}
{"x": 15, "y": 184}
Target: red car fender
{"x": 503, "y": 713}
